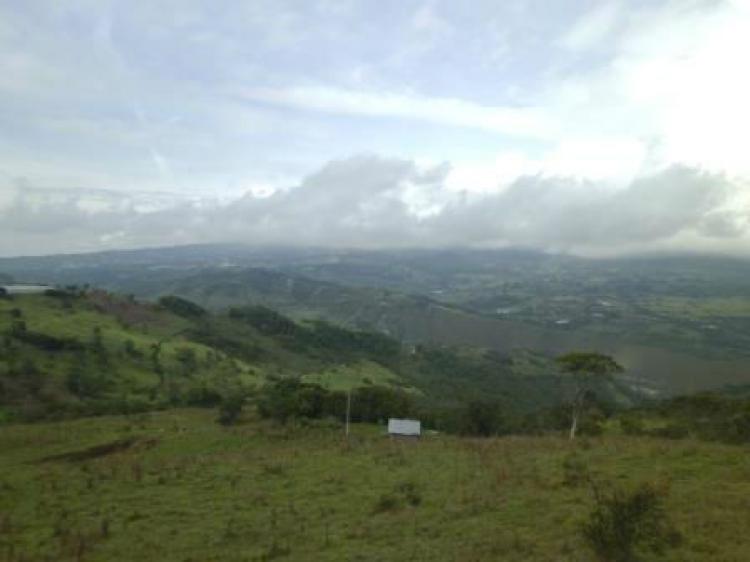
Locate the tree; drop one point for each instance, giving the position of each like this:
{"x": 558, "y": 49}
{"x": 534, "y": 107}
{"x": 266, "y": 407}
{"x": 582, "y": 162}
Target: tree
{"x": 585, "y": 369}
{"x": 187, "y": 359}
{"x": 182, "y": 307}
{"x": 483, "y": 418}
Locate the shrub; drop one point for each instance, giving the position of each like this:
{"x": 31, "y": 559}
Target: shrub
{"x": 624, "y": 525}
{"x": 631, "y": 425}
{"x": 592, "y": 424}
{"x": 203, "y": 396}
{"x": 410, "y": 492}
{"x": 403, "y": 494}
{"x": 387, "y": 502}
{"x": 231, "y": 408}
{"x": 575, "y": 470}
{"x": 671, "y": 431}
{"x": 736, "y": 429}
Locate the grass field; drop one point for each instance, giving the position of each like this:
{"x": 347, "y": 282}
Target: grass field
{"x": 175, "y": 486}
{"x": 701, "y": 308}
{"x": 363, "y": 373}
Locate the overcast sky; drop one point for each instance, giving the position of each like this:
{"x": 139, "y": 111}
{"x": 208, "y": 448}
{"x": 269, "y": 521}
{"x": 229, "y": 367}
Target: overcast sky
{"x": 595, "y": 127}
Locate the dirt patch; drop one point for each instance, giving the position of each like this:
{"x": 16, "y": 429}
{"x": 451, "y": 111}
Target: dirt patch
{"x": 128, "y": 312}
{"x": 103, "y": 450}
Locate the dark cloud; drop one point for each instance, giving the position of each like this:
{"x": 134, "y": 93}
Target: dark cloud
{"x": 367, "y": 201}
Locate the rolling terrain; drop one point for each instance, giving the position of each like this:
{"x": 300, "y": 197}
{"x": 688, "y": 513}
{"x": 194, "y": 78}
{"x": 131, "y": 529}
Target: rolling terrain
{"x": 93, "y": 352}
{"x": 678, "y": 323}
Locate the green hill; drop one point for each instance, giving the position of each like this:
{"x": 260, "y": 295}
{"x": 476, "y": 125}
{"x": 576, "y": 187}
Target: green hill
{"x": 93, "y": 352}
{"x": 678, "y": 323}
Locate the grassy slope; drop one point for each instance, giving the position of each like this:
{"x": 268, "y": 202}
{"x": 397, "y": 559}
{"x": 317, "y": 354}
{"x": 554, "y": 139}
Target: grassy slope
{"x": 193, "y": 490}
{"x": 146, "y": 325}
{"x": 679, "y": 321}
{"x": 150, "y": 326}
{"x": 227, "y": 349}
{"x": 362, "y": 373}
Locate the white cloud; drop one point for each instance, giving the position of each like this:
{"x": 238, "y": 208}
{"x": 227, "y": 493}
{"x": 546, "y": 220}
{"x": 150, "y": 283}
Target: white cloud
{"x": 593, "y": 27}
{"x": 426, "y": 20}
{"x": 368, "y": 201}
{"x": 513, "y": 121}
{"x": 577, "y": 104}
{"x": 676, "y": 80}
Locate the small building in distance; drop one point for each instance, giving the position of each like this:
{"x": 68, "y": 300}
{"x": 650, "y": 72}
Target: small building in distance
{"x": 404, "y": 428}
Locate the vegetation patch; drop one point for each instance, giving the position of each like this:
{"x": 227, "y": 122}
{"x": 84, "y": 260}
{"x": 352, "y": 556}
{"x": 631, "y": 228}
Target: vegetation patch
{"x": 98, "y": 451}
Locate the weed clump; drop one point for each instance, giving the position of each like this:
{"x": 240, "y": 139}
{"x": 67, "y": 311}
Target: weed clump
{"x": 403, "y": 494}
{"x": 575, "y": 471}
{"x": 387, "y": 502}
{"x": 625, "y": 525}
{"x": 230, "y": 409}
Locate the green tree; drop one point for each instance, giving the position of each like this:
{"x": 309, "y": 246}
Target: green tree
{"x": 484, "y": 418}
{"x": 182, "y": 307}
{"x": 585, "y": 369}
{"x": 187, "y": 360}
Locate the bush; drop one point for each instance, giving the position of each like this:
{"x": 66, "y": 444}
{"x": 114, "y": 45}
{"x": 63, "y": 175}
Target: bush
{"x": 575, "y": 471}
{"x": 86, "y": 383}
{"x": 483, "y": 418}
{"x": 671, "y": 431}
{"x": 592, "y": 424}
{"x": 387, "y": 502}
{"x": 625, "y": 525}
{"x": 289, "y": 399}
{"x": 631, "y": 425}
{"x": 45, "y": 342}
{"x": 403, "y": 494}
{"x": 230, "y": 409}
{"x": 203, "y": 396}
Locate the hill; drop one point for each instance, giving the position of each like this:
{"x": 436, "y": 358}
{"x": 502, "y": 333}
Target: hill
{"x": 678, "y": 323}
{"x": 88, "y": 352}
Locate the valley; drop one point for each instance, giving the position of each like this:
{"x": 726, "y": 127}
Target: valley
{"x": 678, "y": 323}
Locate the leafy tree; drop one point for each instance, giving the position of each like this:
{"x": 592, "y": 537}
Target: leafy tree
{"x": 182, "y": 307}
{"x": 265, "y": 320}
{"x": 84, "y": 382}
{"x": 155, "y": 357}
{"x": 585, "y": 369}
{"x": 187, "y": 359}
{"x": 98, "y": 348}
{"x": 97, "y": 344}
{"x": 483, "y": 418}
{"x": 130, "y": 348}
{"x": 290, "y": 398}
{"x": 17, "y": 327}
{"x": 377, "y": 403}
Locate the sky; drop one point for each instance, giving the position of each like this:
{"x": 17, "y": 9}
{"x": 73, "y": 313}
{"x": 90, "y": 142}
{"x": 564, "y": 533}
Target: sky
{"x": 592, "y": 127}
